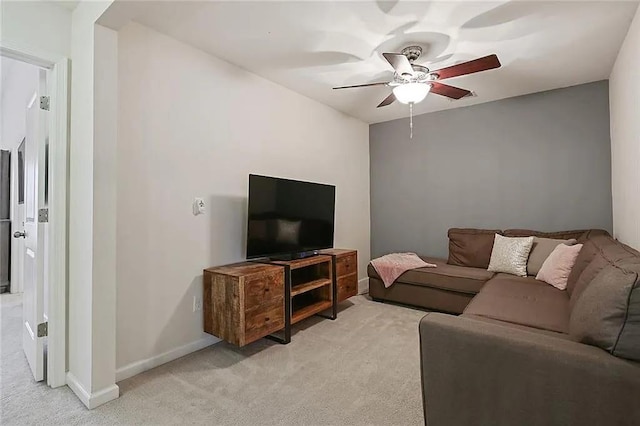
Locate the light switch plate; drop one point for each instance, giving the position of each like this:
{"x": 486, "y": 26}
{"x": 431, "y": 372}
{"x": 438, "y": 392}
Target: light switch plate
{"x": 198, "y": 206}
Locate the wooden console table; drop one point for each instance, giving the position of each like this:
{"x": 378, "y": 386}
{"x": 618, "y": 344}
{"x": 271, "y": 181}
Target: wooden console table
{"x": 246, "y": 301}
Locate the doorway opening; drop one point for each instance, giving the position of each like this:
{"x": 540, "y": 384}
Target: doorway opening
{"x": 19, "y": 86}
{"x": 33, "y": 214}
{"x": 22, "y": 239}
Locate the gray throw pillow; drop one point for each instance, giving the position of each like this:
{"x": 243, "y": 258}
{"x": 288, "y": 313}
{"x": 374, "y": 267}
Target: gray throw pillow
{"x": 540, "y": 251}
{"x": 509, "y": 255}
{"x": 607, "y": 313}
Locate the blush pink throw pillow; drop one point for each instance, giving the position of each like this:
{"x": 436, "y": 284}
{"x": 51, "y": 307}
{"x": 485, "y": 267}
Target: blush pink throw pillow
{"x": 556, "y": 269}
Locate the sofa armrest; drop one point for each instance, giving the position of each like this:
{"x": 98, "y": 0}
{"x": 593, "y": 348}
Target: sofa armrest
{"x": 481, "y": 373}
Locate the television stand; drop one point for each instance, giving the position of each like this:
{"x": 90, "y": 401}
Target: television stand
{"x": 247, "y": 301}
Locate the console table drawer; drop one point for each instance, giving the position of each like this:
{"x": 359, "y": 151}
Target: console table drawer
{"x": 264, "y": 319}
{"x": 243, "y": 302}
{"x": 257, "y": 291}
{"x": 347, "y": 287}
{"x": 346, "y": 265}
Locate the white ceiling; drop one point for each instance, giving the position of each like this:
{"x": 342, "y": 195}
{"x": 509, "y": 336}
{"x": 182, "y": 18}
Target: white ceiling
{"x": 310, "y": 47}
{"x": 67, "y": 4}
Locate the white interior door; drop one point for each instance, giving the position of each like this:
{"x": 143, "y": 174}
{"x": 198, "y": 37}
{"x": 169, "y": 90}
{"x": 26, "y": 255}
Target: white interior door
{"x": 17, "y": 217}
{"x": 34, "y": 230}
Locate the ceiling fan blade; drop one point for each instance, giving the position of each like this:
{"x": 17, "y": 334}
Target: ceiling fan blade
{"x": 388, "y": 100}
{"x": 399, "y": 62}
{"x": 361, "y": 85}
{"x": 481, "y": 64}
{"x": 448, "y": 91}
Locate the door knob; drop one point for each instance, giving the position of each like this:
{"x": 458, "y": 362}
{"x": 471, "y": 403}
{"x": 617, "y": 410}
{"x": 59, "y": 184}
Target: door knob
{"x": 19, "y": 234}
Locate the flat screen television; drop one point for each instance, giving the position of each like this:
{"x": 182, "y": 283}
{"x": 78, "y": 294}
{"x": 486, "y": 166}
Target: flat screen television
{"x": 289, "y": 218}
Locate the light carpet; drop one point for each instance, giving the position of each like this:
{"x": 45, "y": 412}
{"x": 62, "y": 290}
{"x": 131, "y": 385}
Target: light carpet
{"x": 361, "y": 369}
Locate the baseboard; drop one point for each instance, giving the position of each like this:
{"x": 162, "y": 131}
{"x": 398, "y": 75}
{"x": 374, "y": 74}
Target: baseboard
{"x": 94, "y": 399}
{"x": 363, "y": 286}
{"x": 141, "y": 366}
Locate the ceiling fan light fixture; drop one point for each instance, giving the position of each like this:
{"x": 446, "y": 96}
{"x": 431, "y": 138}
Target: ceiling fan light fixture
{"x": 411, "y": 93}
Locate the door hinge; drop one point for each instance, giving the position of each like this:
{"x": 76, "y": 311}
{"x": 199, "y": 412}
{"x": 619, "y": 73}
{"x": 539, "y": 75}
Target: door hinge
{"x": 44, "y": 102}
{"x": 43, "y": 329}
{"x": 43, "y": 215}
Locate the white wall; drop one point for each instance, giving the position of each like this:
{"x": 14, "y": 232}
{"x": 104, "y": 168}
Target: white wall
{"x": 191, "y": 125}
{"x": 37, "y": 26}
{"x": 624, "y": 91}
{"x": 104, "y": 205}
{"x": 91, "y": 210}
{"x": 80, "y": 198}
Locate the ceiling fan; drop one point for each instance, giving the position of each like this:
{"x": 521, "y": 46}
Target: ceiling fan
{"x": 412, "y": 82}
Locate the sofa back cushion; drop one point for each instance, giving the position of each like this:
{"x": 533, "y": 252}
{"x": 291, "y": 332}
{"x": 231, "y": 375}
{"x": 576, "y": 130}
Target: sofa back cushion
{"x": 588, "y": 252}
{"x": 592, "y": 233}
{"x": 607, "y": 313}
{"x": 586, "y": 255}
{"x": 607, "y": 251}
{"x": 540, "y": 251}
{"x": 471, "y": 247}
{"x": 560, "y": 235}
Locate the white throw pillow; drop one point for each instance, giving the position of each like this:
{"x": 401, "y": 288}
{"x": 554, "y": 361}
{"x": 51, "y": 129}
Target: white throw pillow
{"x": 510, "y": 255}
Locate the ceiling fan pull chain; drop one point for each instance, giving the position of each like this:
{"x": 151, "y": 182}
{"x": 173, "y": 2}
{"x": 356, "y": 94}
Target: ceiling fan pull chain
{"x": 410, "y": 120}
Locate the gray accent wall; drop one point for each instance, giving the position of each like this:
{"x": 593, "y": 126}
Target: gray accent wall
{"x": 540, "y": 161}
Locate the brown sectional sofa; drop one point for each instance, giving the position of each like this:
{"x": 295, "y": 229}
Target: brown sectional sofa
{"x": 523, "y": 352}
{"x": 451, "y": 286}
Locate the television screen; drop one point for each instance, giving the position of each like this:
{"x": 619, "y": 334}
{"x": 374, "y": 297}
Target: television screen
{"x": 288, "y": 216}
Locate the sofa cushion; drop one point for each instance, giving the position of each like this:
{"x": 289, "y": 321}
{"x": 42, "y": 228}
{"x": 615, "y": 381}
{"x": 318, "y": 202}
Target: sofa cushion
{"x": 563, "y": 336}
{"x": 524, "y": 301}
{"x": 607, "y": 313}
{"x": 586, "y": 255}
{"x": 560, "y": 235}
{"x": 592, "y": 233}
{"x": 443, "y": 276}
{"x": 433, "y": 299}
{"x": 589, "y": 250}
{"x": 471, "y": 247}
{"x": 540, "y": 251}
{"x": 607, "y": 252}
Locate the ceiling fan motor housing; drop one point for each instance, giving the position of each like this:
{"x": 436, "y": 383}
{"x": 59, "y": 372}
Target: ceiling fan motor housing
{"x": 421, "y": 74}
{"x": 412, "y": 52}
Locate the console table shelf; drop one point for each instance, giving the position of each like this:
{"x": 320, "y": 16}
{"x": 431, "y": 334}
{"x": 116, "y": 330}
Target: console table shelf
{"x": 311, "y": 285}
{"x": 310, "y": 310}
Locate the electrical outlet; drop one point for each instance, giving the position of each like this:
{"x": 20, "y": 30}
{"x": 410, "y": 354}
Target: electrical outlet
{"x": 197, "y": 303}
